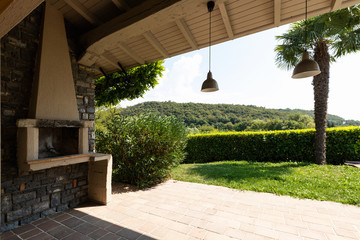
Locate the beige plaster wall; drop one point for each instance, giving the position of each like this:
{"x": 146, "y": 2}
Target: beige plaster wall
{"x": 54, "y": 93}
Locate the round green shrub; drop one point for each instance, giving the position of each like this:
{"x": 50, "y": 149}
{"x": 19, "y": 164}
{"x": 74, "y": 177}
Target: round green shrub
{"x": 144, "y": 147}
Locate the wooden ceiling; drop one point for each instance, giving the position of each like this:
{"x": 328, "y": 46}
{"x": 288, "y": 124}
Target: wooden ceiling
{"x": 135, "y": 32}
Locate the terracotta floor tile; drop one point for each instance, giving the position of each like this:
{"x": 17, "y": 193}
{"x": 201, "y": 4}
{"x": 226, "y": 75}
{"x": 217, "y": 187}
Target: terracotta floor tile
{"x": 29, "y": 234}
{"x": 85, "y": 228}
{"x": 173, "y": 235}
{"x": 24, "y": 229}
{"x": 60, "y": 232}
{"x": 288, "y": 236}
{"x": 197, "y": 233}
{"x": 98, "y": 233}
{"x": 190, "y": 211}
{"x": 72, "y": 222}
{"x": 129, "y": 234}
{"x": 49, "y": 224}
{"x": 41, "y": 236}
{"x": 216, "y": 236}
{"x": 114, "y": 228}
{"x": 236, "y": 233}
{"x": 60, "y": 217}
{"x": 9, "y": 235}
{"x": 110, "y": 236}
{"x": 345, "y": 233}
{"x": 76, "y": 236}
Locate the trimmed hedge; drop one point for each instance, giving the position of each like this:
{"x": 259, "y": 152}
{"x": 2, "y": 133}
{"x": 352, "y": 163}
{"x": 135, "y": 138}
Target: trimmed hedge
{"x": 343, "y": 144}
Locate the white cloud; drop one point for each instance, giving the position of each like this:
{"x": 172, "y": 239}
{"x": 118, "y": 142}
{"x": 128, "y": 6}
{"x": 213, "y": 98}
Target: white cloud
{"x": 177, "y": 84}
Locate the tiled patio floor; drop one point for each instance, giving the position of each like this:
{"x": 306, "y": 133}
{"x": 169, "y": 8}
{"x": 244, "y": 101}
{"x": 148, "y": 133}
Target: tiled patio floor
{"x": 178, "y": 210}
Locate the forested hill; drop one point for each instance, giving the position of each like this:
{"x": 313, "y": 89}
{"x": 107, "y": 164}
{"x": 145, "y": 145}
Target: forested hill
{"x": 218, "y": 115}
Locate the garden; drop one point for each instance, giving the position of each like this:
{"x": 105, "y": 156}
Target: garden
{"x": 150, "y": 148}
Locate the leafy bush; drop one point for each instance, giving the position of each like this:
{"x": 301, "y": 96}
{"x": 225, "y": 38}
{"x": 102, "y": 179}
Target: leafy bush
{"x": 144, "y": 147}
{"x": 343, "y": 144}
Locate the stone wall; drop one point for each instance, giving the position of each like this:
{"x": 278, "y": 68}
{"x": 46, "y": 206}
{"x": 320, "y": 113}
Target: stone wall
{"x": 85, "y": 95}
{"x": 41, "y": 193}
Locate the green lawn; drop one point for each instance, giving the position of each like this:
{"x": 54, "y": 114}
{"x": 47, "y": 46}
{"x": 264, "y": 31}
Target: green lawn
{"x": 301, "y": 180}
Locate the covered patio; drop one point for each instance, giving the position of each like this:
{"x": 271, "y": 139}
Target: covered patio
{"x": 51, "y": 52}
{"x": 179, "y": 210}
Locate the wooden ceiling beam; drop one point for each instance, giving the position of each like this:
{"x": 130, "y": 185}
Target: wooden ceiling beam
{"x": 187, "y": 33}
{"x": 277, "y": 12}
{"x": 13, "y": 12}
{"x": 131, "y": 53}
{"x": 156, "y": 44}
{"x": 226, "y": 20}
{"x": 121, "y": 4}
{"x": 84, "y": 12}
{"x": 336, "y": 4}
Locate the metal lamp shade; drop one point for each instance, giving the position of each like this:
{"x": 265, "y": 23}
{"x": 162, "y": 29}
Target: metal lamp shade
{"x": 209, "y": 85}
{"x": 306, "y": 68}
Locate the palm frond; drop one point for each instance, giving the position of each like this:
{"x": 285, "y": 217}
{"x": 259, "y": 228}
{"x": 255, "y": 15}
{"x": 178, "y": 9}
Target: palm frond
{"x": 339, "y": 29}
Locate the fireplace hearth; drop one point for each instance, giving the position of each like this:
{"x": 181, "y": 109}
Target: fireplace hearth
{"x": 55, "y": 142}
{"x": 59, "y": 142}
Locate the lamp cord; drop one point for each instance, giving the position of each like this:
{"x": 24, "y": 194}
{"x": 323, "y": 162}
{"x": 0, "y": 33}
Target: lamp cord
{"x": 306, "y": 28}
{"x": 210, "y": 43}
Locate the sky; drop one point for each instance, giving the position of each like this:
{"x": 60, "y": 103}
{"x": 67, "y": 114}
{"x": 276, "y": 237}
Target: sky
{"x": 246, "y": 74}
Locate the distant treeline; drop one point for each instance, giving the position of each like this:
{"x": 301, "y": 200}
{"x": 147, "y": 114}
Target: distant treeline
{"x": 200, "y": 117}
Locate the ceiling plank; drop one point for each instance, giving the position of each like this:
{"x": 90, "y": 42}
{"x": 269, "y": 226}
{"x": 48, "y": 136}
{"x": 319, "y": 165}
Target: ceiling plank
{"x": 156, "y": 44}
{"x": 14, "y": 11}
{"x": 146, "y": 10}
{"x": 121, "y": 4}
{"x": 226, "y": 20}
{"x": 277, "y": 12}
{"x": 187, "y": 33}
{"x": 131, "y": 53}
{"x": 84, "y": 12}
{"x": 336, "y": 4}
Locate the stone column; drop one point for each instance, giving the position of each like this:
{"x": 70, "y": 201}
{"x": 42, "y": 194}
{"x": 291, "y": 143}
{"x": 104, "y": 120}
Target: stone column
{"x": 100, "y": 171}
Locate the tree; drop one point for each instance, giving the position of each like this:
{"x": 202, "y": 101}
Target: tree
{"x": 338, "y": 31}
{"x": 111, "y": 89}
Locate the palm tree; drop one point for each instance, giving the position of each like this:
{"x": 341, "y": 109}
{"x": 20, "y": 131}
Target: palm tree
{"x": 331, "y": 35}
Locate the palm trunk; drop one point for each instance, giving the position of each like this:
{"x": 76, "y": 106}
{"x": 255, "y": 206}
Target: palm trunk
{"x": 321, "y": 93}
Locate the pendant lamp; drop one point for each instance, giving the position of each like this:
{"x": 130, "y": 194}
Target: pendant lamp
{"x": 307, "y": 67}
{"x": 210, "y": 85}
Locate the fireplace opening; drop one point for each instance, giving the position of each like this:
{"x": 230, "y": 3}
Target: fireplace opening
{"x": 55, "y": 142}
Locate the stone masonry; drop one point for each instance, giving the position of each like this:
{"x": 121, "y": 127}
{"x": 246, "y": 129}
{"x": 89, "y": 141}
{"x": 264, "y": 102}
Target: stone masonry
{"x": 41, "y": 193}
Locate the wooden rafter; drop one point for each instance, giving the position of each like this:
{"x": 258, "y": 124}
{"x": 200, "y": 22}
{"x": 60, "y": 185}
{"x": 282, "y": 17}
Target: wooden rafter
{"x": 110, "y": 59}
{"x": 14, "y": 11}
{"x": 131, "y": 53}
{"x": 84, "y": 12}
{"x": 277, "y": 12}
{"x": 123, "y": 22}
{"x": 336, "y": 4}
{"x": 226, "y": 20}
{"x": 97, "y": 71}
{"x": 121, "y": 4}
{"x": 187, "y": 33}
{"x": 4, "y": 4}
{"x": 156, "y": 44}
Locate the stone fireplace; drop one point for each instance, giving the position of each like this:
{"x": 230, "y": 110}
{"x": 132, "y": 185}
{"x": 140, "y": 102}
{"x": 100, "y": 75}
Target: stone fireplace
{"x": 53, "y": 135}
{"x": 48, "y": 183}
